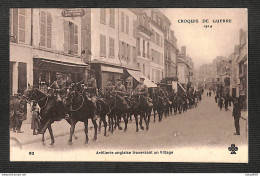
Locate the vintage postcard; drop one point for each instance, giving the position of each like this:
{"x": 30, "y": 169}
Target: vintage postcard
{"x": 129, "y": 84}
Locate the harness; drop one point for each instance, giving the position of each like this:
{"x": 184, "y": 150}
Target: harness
{"x": 74, "y": 110}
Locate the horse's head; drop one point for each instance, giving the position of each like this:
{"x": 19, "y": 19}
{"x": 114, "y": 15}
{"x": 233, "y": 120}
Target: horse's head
{"x": 31, "y": 93}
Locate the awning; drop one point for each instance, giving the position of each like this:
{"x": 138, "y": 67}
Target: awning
{"x": 181, "y": 87}
{"x": 137, "y": 75}
{"x": 62, "y": 66}
{"x": 111, "y": 69}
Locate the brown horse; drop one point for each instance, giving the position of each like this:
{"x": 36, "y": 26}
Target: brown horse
{"x": 81, "y": 109}
{"x": 140, "y": 107}
{"x": 51, "y": 110}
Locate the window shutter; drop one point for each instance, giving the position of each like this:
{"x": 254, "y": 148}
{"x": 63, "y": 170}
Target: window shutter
{"x": 103, "y": 15}
{"x": 127, "y": 24}
{"x": 111, "y": 47}
{"x": 10, "y": 22}
{"x": 49, "y": 30}
{"x": 42, "y": 28}
{"x": 66, "y": 35}
{"x": 112, "y": 17}
{"x": 122, "y": 22}
{"x": 76, "y": 39}
{"x": 102, "y": 45}
{"x": 71, "y": 38}
{"x": 135, "y": 29}
{"x": 21, "y": 25}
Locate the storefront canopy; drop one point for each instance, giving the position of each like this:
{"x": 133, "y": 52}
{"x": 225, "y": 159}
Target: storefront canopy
{"x": 182, "y": 87}
{"x": 51, "y": 64}
{"x": 137, "y": 75}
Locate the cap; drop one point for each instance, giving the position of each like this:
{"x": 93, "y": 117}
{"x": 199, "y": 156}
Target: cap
{"x": 119, "y": 79}
{"x": 109, "y": 80}
{"x": 58, "y": 73}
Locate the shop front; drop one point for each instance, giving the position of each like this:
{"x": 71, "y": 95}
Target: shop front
{"x": 44, "y": 71}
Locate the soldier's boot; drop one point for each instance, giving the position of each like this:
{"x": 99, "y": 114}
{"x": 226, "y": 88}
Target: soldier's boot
{"x": 95, "y": 111}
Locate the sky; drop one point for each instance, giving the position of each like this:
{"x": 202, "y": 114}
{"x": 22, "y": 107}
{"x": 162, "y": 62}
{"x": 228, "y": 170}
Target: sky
{"x": 205, "y": 44}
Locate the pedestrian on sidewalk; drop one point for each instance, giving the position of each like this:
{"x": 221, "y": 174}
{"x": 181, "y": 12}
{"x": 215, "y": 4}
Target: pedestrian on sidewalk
{"x": 207, "y": 94}
{"x": 237, "y": 114}
{"x": 19, "y": 114}
{"x": 220, "y": 103}
{"x": 35, "y": 118}
{"x": 226, "y": 102}
{"x": 216, "y": 99}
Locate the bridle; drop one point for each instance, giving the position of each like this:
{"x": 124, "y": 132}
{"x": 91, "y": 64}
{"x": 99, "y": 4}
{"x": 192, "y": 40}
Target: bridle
{"x": 28, "y": 99}
{"x": 74, "y": 110}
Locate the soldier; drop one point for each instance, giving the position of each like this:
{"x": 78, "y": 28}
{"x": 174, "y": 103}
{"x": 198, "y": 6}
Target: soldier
{"x": 90, "y": 86}
{"x": 59, "y": 87}
{"x": 220, "y": 103}
{"x": 121, "y": 91}
{"x": 110, "y": 87}
{"x": 237, "y": 114}
{"x": 19, "y": 115}
{"x": 142, "y": 89}
{"x": 35, "y": 118}
{"x": 226, "y": 102}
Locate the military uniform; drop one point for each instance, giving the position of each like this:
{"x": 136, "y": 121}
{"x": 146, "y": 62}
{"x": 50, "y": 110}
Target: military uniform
{"x": 90, "y": 86}
{"x": 59, "y": 86}
{"x": 237, "y": 114}
{"x": 109, "y": 88}
{"x": 19, "y": 115}
{"x": 121, "y": 92}
{"x": 142, "y": 89}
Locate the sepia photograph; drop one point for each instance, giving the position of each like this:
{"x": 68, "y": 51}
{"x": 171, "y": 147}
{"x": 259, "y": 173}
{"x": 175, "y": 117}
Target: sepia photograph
{"x": 128, "y": 84}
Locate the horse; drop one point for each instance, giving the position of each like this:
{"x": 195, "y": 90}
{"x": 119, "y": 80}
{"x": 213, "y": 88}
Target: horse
{"x": 117, "y": 109}
{"x": 51, "y": 109}
{"x": 81, "y": 109}
{"x": 140, "y": 107}
{"x": 102, "y": 111}
{"x": 157, "y": 106}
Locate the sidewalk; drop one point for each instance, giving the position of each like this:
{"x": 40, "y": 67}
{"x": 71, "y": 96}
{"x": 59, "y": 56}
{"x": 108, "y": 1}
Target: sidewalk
{"x": 60, "y": 128}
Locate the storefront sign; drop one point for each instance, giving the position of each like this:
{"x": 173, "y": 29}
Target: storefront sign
{"x": 73, "y": 13}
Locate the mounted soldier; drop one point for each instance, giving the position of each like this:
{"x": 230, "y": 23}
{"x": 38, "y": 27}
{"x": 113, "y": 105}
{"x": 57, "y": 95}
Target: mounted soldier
{"x": 59, "y": 90}
{"x": 90, "y": 89}
{"x": 142, "y": 89}
{"x": 121, "y": 92}
{"x": 110, "y": 87}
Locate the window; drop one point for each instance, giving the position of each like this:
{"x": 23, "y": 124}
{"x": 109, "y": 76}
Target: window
{"x": 128, "y": 52}
{"x": 46, "y": 29}
{"x": 127, "y": 24}
{"x": 103, "y": 45}
{"x": 111, "y": 47}
{"x": 138, "y": 46}
{"x": 17, "y": 25}
{"x": 144, "y": 69}
{"x": 153, "y": 36}
{"x": 70, "y": 37}
{"x": 157, "y": 38}
{"x": 112, "y": 18}
{"x": 148, "y": 48}
{"x": 103, "y": 16}
{"x": 21, "y": 25}
{"x": 122, "y": 22}
{"x": 143, "y": 48}
{"x": 133, "y": 53}
{"x": 138, "y": 65}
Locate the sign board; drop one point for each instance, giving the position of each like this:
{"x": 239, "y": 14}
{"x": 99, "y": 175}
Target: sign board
{"x": 73, "y": 13}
